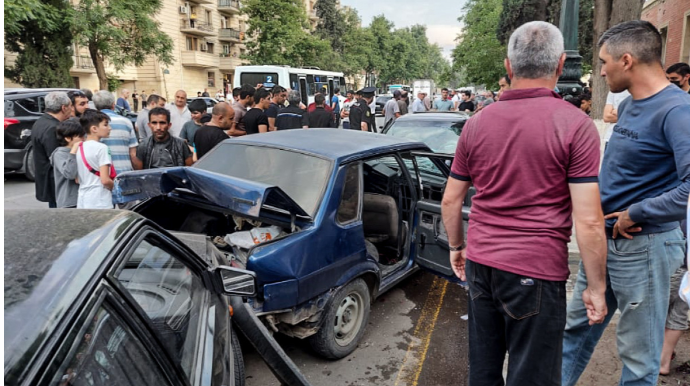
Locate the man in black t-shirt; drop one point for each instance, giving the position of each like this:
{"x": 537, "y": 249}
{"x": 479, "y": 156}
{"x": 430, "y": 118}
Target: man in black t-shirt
{"x": 292, "y": 117}
{"x": 466, "y": 105}
{"x": 320, "y": 117}
{"x": 277, "y": 103}
{"x": 255, "y": 120}
{"x": 214, "y": 132}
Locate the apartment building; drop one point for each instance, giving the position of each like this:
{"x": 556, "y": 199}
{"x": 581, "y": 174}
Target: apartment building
{"x": 208, "y": 40}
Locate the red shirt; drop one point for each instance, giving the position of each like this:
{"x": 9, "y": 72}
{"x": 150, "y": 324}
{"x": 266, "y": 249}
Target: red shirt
{"x": 520, "y": 154}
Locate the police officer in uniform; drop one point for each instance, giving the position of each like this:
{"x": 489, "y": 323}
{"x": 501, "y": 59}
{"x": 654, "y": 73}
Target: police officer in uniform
{"x": 361, "y": 117}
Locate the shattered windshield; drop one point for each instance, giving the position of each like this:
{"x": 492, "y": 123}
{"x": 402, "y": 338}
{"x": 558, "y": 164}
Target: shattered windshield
{"x": 441, "y": 136}
{"x": 303, "y": 177}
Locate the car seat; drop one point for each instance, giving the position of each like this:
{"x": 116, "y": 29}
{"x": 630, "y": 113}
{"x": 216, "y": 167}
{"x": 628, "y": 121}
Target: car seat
{"x": 380, "y": 219}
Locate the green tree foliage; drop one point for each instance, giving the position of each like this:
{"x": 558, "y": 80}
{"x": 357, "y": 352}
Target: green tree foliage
{"x": 517, "y": 12}
{"x": 279, "y": 32}
{"x": 357, "y": 44}
{"x": 330, "y": 26}
{"x": 38, "y": 32}
{"x": 123, "y": 32}
{"x": 479, "y": 54}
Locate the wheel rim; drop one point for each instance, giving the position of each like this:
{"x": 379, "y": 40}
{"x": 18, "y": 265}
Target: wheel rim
{"x": 348, "y": 318}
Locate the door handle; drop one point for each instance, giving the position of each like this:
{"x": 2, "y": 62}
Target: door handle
{"x": 422, "y": 241}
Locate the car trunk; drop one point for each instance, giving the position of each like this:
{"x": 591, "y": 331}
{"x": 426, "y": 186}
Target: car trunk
{"x": 235, "y": 214}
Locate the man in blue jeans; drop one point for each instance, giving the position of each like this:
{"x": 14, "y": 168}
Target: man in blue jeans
{"x": 645, "y": 179}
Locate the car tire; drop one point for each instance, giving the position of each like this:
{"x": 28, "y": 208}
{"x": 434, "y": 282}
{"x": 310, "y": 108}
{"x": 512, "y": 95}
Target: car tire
{"x": 29, "y": 166}
{"x": 345, "y": 320}
{"x": 237, "y": 359}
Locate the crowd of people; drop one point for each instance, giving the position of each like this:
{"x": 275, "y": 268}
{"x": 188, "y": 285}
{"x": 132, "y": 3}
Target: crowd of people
{"x": 514, "y": 258}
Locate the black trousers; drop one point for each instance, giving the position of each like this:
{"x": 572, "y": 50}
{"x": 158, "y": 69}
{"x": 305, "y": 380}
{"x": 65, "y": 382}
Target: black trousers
{"x": 518, "y": 314}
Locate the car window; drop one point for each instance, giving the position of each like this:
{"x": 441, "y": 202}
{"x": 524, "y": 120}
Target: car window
{"x": 432, "y": 180}
{"x": 30, "y": 104}
{"x": 172, "y": 297}
{"x": 109, "y": 353}
{"x": 348, "y": 210}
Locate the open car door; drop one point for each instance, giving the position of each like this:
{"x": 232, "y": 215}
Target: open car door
{"x": 432, "y": 250}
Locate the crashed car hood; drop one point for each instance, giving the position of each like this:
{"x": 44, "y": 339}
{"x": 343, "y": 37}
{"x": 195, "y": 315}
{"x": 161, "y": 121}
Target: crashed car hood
{"x": 241, "y": 196}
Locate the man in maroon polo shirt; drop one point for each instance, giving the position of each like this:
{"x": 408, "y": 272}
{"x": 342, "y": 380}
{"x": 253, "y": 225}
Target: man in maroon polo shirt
{"x": 533, "y": 159}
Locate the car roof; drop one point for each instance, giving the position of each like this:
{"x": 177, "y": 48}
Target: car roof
{"x": 434, "y": 116}
{"x": 23, "y": 91}
{"x": 336, "y": 144}
{"x": 51, "y": 256}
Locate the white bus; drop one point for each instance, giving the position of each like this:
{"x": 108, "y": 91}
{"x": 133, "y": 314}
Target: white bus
{"x": 308, "y": 81}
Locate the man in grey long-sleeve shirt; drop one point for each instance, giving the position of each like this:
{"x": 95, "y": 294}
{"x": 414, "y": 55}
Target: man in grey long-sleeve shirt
{"x": 644, "y": 179}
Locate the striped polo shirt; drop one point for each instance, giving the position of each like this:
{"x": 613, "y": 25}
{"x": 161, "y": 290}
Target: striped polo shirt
{"x": 121, "y": 139}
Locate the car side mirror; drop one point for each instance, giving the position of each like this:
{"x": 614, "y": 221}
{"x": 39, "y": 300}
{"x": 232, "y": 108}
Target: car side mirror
{"x": 235, "y": 281}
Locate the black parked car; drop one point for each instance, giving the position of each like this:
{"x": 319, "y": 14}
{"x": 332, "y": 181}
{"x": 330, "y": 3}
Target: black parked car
{"x": 381, "y": 101}
{"x": 23, "y": 106}
{"x": 105, "y": 297}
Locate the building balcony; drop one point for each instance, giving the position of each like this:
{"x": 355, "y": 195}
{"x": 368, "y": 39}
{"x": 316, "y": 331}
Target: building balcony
{"x": 199, "y": 59}
{"x": 229, "y": 63}
{"x": 229, "y": 35}
{"x": 197, "y": 28}
{"x": 231, "y": 7}
{"x": 202, "y": 1}
{"x": 82, "y": 64}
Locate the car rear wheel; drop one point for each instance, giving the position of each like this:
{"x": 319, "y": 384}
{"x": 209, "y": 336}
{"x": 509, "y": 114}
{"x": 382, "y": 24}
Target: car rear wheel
{"x": 29, "y": 167}
{"x": 345, "y": 320}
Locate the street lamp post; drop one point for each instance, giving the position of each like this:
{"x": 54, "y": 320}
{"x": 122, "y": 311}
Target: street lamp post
{"x": 572, "y": 70}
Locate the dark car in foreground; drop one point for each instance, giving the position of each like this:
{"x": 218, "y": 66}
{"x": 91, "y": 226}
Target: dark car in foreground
{"x": 327, "y": 219}
{"x": 438, "y": 130}
{"x": 105, "y": 297}
{"x": 23, "y": 107}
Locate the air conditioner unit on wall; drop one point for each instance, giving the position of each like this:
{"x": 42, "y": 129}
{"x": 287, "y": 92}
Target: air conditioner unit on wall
{"x": 184, "y": 9}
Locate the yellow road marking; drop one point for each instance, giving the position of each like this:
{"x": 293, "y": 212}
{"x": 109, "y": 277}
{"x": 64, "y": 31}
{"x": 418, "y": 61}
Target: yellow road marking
{"x": 412, "y": 365}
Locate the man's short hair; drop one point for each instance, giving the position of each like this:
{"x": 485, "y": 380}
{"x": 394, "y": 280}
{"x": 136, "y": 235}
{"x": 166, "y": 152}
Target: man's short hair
{"x": 88, "y": 93}
{"x": 467, "y": 93}
{"x": 103, "y": 100}
{"x": 247, "y": 91}
{"x": 236, "y": 91}
{"x": 74, "y": 94}
{"x": 681, "y": 69}
{"x": 91, "y": 118}
{"x": 350, "y": 92}
{"x": 294, "y": 98}
{"x": 197, "y": 106}
{"x": 159, "y": 111}
{"x": 220, "y": 109}
{"x": 277, "y": 90}
{"x": 153, "y": 99}
{"x": 638, "y": 38}
{"x": 444, "y": 89}
{"x": 54, "y": 101}
{"x": 534, "y": 50}
{"x": 397, "y": 94}
{"x": 337, "y": 90}
{"x": 319, "y": 99}
{"x": 67, "y": 129}
{"x": 261, "y": 94}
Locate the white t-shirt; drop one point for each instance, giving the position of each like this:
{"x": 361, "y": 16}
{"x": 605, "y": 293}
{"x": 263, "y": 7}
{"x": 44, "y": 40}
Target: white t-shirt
{"x": 614, "y": 99}
{"x": 346, "y": 107}
{"x": 92, "y": 193}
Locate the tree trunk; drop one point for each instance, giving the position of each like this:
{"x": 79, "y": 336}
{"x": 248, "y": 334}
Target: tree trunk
{"x": 99, "y": 65}
{"x": 607, "y": 13}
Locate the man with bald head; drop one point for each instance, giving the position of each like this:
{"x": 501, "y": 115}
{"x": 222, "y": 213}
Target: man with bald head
{"x": 179, "y": 113}
{"x": 214, "y": 132}
{"x": 122, "y": 100}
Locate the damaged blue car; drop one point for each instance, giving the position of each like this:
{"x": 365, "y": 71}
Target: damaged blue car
{"x": 327, "y": 219}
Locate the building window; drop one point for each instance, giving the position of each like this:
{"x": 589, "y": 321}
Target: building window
{"x": 685, "y": 48}
{"x": 226, "y": 49}
{"x": 209, "y": 19}
{"x": 209, "y": 48}
{"x": 664, "y": 36}
{"x": 211, "y": 79}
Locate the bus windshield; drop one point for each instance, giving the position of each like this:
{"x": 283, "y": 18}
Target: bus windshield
{"x": 268, "y": 79}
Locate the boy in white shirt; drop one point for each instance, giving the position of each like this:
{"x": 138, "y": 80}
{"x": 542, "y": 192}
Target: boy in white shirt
{"x": 94, "y": 163}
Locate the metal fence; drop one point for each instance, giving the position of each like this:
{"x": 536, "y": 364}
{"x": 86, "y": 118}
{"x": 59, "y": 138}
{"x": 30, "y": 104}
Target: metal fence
{"x": 228, "y": 3}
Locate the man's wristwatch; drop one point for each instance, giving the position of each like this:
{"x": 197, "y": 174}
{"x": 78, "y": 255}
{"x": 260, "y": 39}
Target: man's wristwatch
{"x": 460, "y": 248}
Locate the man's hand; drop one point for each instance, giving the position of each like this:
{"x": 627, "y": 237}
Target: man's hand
{"x": 596, "y": 306}
{"x": 457, "y": 262}
{"x": 623, "y": 225}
